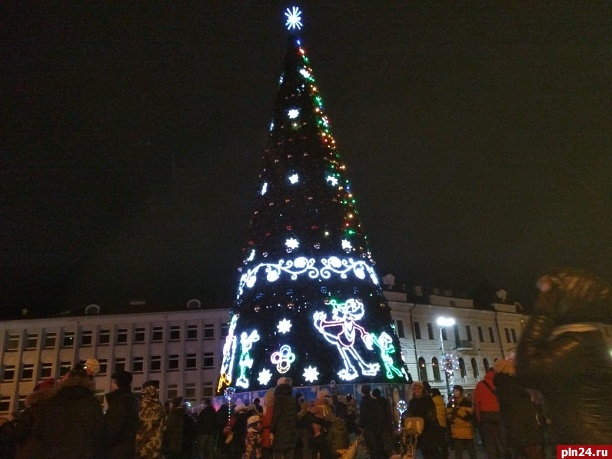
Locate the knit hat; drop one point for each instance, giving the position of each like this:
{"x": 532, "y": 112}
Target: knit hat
{"x": 151, "y": 382}
{"x": 45, "y": 384}
{"x": 123, "y": 378}
{"x": 92, "y": 366}
{"x": 417, "y": 384}
{"x": 283, "y": 380}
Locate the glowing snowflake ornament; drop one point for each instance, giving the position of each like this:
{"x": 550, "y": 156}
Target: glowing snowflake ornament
{"x": 333, "y": 181}
{"x": 284, "y": 326}
{"x": 294, "y": 18}
{"x": 311, "y": 374}
{"x": 293, "y": 113}
{"x": 292, "y": 243}
{"x": 305, "y": 73}
{"x": 294, "y": 178}
{"x": 264, "y": 377}
{"x": 346, "y": 245}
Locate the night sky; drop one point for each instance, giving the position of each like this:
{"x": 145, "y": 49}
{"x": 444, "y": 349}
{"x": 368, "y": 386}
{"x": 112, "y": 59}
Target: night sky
{"x": 477, "y": 136}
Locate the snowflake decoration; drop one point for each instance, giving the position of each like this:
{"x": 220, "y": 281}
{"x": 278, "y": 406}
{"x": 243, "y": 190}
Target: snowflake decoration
{"x": 294, "y": 18}
{"x": 294, "y": 178}
{"x": 264, "y": 377}
{"x": 264, "y": 188}
{"x": 311, "y": 374}
{"x": 332, "y": 180}
{"x": 293, "y": 113}
{"x": 305, "y": 73}
{"x": 284, "y": 326}
{"x": 292, "y": 243}
{"x": 346, "y": 245}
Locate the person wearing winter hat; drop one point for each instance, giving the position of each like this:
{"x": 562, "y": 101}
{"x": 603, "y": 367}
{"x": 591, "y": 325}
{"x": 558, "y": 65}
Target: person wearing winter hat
{"x": 121, "y": 417}
{"x": 370, "y": 420}
{"x": 459, "y": 413}
{"x": 27, "y": 444}
{"x": 252, "y": 442}
{"x": 283, "y": 429}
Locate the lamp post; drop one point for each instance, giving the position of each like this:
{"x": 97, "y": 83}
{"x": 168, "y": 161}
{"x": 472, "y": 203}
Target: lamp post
{"x": 445, "y": 322}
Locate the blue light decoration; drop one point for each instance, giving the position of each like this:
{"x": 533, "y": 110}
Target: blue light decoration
{"x": 294, "y": 18}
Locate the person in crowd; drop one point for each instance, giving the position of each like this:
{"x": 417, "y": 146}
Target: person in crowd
{"x": 258, "y": 407}
{"x": 266, "y": 423}
{"x": 283, "y": 431}
{"x": 252, "y": 442}
{"x": 370, "y": 421}
{"x": 350, "y": 418}
{"x": 388, "y": 425}
{"x": 488, "y": 418}
{"x": 517, "y": 411}
{"x": 27, "y": 444}
{"x": 438, "y": 401}
{"x": 459, "y": 414}
{"x": 121, "y": 417}
{"x": 560, "y": 336}
{"x": 224, "y": 417}
{"x": 180, "y": 432}
{"x": 238, "y": 427}
{"x": 151, "y": 422}
{"x": 421, "y": 405}
{"x": 318, "y": 417}
{"x": 207, "y": 424}
{"x": 74, "y": 421}
{"x": 7, "y": 438}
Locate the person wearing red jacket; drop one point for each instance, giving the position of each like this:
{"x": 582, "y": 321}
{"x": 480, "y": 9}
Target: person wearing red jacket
{"x": 488, "y": 417}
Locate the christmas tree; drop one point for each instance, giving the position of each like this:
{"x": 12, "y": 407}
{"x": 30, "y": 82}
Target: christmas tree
{"x": 309, "y": 304}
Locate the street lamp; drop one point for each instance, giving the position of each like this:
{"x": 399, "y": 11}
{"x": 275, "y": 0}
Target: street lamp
{"x": 445, "y": 322}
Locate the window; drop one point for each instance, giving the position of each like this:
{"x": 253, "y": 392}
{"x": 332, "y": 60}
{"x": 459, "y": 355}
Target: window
{"x": 9, "y": 373}
{"x": 468, "y": 332}
{"x": 27, "y": 371}
{"x": 158, "y": 334}
{"x": 175, "y": 332}
{"x": 155, "y": 363}
{"x": 190, "y": 362}
{"x": 436, "y": 369}
{"x": 122, "y": 336}
{"x": 50, "y": 340}
{"x": 456, "y": 330}
{"x": 64, "y": 368}
{"x": 173, "y": 362}
{"x": 430, "y": 332}
{"x": 32, "y": 341}
{"x": 13, "y": 343}
{"x": 5, "y": 403}
{"x": 207, "y": 389}
{"x": 103, "y": 366}
{"x": 462, "y": 369}
{"x": 507, "y": 332}
{"x": 444, "y": 335}
{"x": 172, "y": 391}
{"x": 190, "y": 392}
{"x": 480, "y": 334}
{"x": 209, "y": 331}
{"x": 422, "y": 369}
{"x": 513, "y": 333}
{"x": 485, "y": 364}
{"x": 208, "y": 361}
{"x": 21, "y": 402}
{"x": 120, "y": 364}
{"x": 192, "y": 332}
{"x": 491, "y": 335}
{"x": 68, "y": 340}
{"x": 224, "y": 330}
{"x": 86, "y": 338}
{"x": 138, "y": 364}
{"x": 104, "y": 338}
{"x": 474, "y": 368}
{"x": 139, "y": 335}
{"x": 46, "y": 370}
{"x": 417, "y": 330}
{"x": 399, "y": 328}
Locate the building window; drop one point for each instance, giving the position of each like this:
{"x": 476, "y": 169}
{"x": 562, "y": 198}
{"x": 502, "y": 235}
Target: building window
{"x": 485, "y": 364}
{"x": 21, "y": 402}
{"x": 175, "y": 333}
{"x": 120, "y": 364}
{"x": 190, "y": 362}
{"x": 122, "y": 336}
{"x": 190, "y": 392}
{"x": 139, "y": 335}
{"x": 155, "y": 363}
{"x": 12, "y": 343}
{"x": 207, "y": 389}
{"x": 468, "y": 332}
{"x": 422, "y": 369}
{"x": 491, "y": 335}
{"x": 209, "y": 331}
{"x": 444, "y": 335}
{"x": 86, "y": 338}
{"x": 27, "y": 371}
{"x": 65, "y": 367}
{"x": 507, "y": 332}
{"x": 399, "y": 326}
{"x": 50, "y": 340}
{"x": 172, "y": 391}
{"x": 138, "y": 364}
{"x": 46, "y": 370}
{"x": 456, "y": 330}
{"x": 430, "y": 332}
{"x": 513, "y": 333}
{"x": 32, "y": 341}
{"x": 474, "y": 368}
{"x": 104, "y": 338}
{"x": 68, "y": 340}
{"x": 158, "y": 334}
{"x": 208, "y": 361}
{"x": 462, "y": 369}
{"x": 5, "y": 403}
{"x": 103, "y": 367}
{"x": 224, "y": 330}
{"x": 192, "y": 332}
{"x": 9, "y": 373}
{"x": 173, "y": 362}
{"x": 480, "y": 335}
{"x": 435, "y": 366}
{"x": 417, "y": 330}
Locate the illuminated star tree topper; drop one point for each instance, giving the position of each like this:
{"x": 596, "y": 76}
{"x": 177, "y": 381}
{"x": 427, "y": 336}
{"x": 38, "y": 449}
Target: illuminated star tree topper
{"x": 294, "y": 18}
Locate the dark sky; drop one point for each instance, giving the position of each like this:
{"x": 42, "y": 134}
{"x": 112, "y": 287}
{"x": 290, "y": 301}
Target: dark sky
{"x": 477, "y": 136}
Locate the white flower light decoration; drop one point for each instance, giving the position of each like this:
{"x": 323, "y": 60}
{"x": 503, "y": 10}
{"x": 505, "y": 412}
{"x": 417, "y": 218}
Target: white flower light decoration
{"x": 284, "y": 326}
{"x": 332, "y": 180}
{"x": 264, "y": 377}
{"x": 293, "y": 113}
{"x": 292, "y": 243}
{"x": 311, "y": 374}
{"x": 294, "y": 178}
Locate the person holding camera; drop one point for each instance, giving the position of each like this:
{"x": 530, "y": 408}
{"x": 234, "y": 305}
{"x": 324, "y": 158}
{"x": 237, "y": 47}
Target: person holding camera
{"x": 459, "y": 413}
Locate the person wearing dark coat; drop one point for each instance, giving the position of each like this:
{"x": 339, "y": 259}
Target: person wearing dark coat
{"x": 283, "y": 430}
{"x": 388, "y": 424}
{"x": 208, "y": 430}
{"x": 121, "y": 418}
{"x": 421, "y": 405}
{"x": 74, "y": 421}
{"x": 563, "y": 355}
{"x": 28, "y": 445}
{"x": 180, "y": 432}
{"x": 370, "y": 421}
